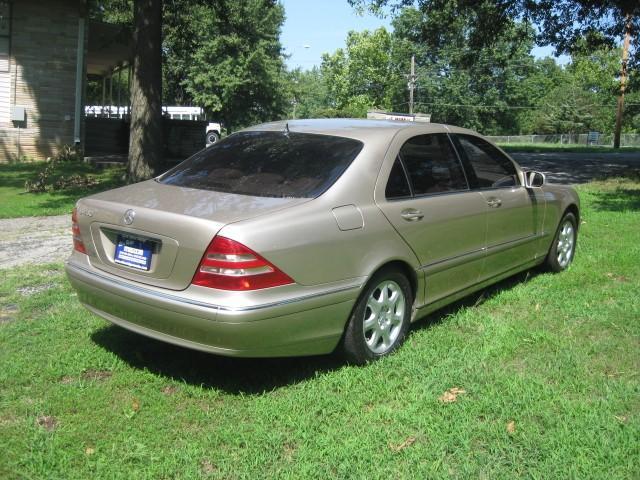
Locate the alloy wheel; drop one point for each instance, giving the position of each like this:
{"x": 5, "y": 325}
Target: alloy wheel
{"x": 383, "y": 316}
{"x": 566, "y": 242}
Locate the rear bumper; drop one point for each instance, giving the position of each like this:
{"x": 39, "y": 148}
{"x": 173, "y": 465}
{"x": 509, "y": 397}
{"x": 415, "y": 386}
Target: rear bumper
{"x": 308, "y": 324}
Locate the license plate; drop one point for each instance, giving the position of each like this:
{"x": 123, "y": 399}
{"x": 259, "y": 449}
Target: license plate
{"x": 133, "y": 253}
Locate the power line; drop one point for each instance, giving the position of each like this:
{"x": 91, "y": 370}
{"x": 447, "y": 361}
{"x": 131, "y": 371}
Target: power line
{"x": 504, "y": 107}
{"x": 508, "y": 107}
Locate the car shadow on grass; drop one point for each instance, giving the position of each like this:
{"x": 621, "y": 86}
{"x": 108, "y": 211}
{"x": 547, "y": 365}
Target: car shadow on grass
{"x": 477, "y": 298}
{"x": 248, "y": 376}
{"x": 233, "y": 375}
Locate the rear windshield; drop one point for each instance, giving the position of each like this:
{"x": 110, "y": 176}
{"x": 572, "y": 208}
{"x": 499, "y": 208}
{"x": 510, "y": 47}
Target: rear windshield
{"x": 267, "y": 164}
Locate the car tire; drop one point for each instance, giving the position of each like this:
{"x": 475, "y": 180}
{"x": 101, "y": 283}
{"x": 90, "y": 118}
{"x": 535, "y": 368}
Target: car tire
{"x": 563, "y": 247}
{"x": 380, "y": 319}
{"x": 212, "y": 137}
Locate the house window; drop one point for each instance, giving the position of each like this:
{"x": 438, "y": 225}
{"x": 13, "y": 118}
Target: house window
{"x": 5, "y": 34}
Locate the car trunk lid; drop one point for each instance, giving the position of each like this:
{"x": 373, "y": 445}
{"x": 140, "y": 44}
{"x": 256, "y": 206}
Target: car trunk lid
{"x": 156, "y": 234}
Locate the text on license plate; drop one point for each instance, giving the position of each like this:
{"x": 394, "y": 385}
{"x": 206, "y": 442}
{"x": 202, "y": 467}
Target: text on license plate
{"x": 133, "y": 253}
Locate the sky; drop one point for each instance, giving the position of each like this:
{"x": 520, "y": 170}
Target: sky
{"x": 313, "y": 27}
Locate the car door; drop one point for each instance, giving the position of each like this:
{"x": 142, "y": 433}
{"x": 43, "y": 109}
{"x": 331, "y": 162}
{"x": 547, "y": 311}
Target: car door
{"x": 513, "y": 211}
{"x": 426, "y": 197}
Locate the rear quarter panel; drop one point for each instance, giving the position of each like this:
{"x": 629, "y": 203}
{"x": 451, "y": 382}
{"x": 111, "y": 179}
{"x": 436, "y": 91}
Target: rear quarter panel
{"x": 309, "y": 246}
{"x": 306, "y": 242}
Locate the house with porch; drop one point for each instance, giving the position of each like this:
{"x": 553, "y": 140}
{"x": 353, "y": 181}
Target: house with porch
{"x": 45, "y": 56}
{"x": 48, "y": 51}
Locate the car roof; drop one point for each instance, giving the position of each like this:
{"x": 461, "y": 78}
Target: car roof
{"x": 358, "y": 128}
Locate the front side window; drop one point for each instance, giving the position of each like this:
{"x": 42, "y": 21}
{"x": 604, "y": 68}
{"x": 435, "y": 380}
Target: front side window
{"x": 267, "y": 164}
{"x": 489, "y": 167}
{"x": 432, "y": 165}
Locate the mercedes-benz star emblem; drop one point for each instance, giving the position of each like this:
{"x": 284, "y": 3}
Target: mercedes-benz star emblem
{"x": 129, "y": 215}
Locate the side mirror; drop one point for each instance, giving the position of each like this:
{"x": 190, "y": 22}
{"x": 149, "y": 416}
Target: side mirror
{"x": 534, "y": 179}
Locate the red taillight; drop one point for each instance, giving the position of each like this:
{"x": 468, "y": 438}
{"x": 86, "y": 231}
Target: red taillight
{"x": 229, "y": 265}
{"x": 78, "y": 244}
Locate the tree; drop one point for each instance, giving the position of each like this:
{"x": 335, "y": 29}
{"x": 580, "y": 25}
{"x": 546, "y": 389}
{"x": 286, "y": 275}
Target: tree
{"x": 466, "y": 84}
{"x": 588, "y": 85}
{"x": 364, "y": 74}
{"x": 145, "y": 137}
{"x": 308, "y": 94}
{"x": 145, "y": 131}
{"x": 562, "y": 23}
{"x": 222, "y": 55}
{"x": 236, "y": 68}
{"x": 566, "y": 109}
{"x": 545, "y": 77}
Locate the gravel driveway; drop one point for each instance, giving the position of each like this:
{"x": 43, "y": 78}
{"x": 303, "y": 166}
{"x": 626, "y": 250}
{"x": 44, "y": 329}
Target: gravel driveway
{"x": 48, "y": 239}
{"x": 34, "y": 240}
{"x": 571, "y": 168}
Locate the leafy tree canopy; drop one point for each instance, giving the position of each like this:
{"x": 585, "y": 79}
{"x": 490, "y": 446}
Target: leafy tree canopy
{"x": 239, "y": 70}
{"x": 561, "y": 23}
{"x": 462, "y": 83}
{"x": 222, "y": 55}
{"x": 498, "y": 88}
{"x": 364, "y": 74}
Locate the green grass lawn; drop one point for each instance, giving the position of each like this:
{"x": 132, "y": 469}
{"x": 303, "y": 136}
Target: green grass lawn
{"x": 549, "y": 365}
{"x": 554, "y": 147}
{"x": 15, "y": 202}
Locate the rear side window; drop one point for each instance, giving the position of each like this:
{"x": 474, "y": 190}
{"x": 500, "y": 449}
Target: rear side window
{"x": 397, "y": 185}
{"x": 267, "y": 164}
{"x": 490, "y": 168}
{"x": 432, "y": 165}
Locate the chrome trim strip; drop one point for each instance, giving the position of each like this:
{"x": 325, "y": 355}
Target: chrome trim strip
{"x": 448, "y": 259}
{"x": 441, "y": 302}
{"x": 528, "y": 238}
{"x": 525, "y": 239}
{"x": 198, "y": 303}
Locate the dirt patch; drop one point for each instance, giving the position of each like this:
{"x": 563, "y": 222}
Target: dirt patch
{"x": 8, "y": 312}
{"x": 47, "y": 422}
{"x": 169, "y": 390}
{"x": 96, "y": 375}
{"x": 28, "y": 291}
{"x": 208, "y": 467}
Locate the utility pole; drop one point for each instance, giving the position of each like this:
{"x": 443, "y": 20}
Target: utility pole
{"x": 412, "y": 82}
{"x": 623, "y": 80}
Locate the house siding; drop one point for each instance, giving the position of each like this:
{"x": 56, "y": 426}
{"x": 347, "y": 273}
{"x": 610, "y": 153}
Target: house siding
{"x": 5, "y": 89}
{"x": 41, "y": 78}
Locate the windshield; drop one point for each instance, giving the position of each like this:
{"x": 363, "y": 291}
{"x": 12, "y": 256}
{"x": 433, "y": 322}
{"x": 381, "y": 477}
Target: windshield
{"x": 267, "y": 164}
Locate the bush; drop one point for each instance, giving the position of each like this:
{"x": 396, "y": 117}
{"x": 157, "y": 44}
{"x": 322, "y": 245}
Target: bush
{"x": 41, "y": 181}
{"x": 44, "y": 180}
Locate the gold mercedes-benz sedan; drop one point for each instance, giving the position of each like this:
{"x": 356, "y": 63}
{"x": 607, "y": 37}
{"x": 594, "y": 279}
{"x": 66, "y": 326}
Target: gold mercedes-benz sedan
{"x": 307, "y": 236}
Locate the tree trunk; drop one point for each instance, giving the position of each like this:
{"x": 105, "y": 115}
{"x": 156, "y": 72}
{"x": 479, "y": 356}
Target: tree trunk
{"x": 145, "y": 139}
{"x": 623, "y": 81}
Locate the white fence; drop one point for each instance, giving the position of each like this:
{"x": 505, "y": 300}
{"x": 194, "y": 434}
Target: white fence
{"x": 114, "y": 111}
{"x": 626, "y": 139}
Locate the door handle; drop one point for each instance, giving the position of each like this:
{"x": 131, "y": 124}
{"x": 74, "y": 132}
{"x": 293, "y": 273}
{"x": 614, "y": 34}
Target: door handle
{"x": 412, "y": 215}
{"x": 494, "y": 202}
